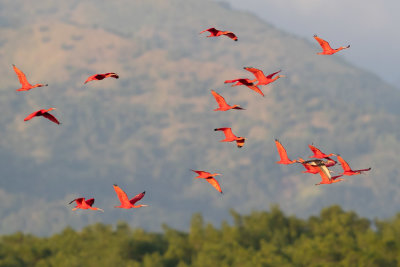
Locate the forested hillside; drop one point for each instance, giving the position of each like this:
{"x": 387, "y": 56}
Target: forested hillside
{"x": 332, "y": 238}
{"x": 146, "y": 130}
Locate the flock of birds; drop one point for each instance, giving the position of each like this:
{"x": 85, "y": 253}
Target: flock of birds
{"x": 319, "y": 163}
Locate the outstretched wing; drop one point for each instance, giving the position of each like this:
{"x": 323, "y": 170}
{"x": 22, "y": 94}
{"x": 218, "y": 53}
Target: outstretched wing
{"x": 227, "y": 131}
{"x": 90, "y": 201}
{"x": 220, "y": 100}
{"x": 324, "y": 44}
{"x": 30, "y": 116}
{"x": 78, "y": 200}
{"x": 272, "y": 74}
{"x": 137, "y": 198}
{"x": 231, "y": 35}
{"x": 50, "y": 117}
{"x": 256, "y": 72}
{"x": 123, "y": 198}
{"x": 211, "y": 30}
{"x": 256, "y": 89}
{"x": 282, "y": 151}
{"x": 202, "y": 173}
{"x": 344, "y": 164}
{"x": 21, "y": 76}
{"x": 315, "y": 150}
{"x": 214, "y": 183}
{"x": 111, "y": 74}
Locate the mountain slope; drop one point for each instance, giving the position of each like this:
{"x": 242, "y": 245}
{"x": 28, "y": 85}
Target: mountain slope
{"x": 146, "y": 130}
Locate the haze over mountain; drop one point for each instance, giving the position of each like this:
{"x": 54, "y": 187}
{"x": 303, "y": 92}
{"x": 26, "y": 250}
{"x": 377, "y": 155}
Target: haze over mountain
{"x": 146, "y": 130}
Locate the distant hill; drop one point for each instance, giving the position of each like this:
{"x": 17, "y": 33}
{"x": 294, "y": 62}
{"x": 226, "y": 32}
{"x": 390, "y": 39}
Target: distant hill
{"x": 146, "y": 130}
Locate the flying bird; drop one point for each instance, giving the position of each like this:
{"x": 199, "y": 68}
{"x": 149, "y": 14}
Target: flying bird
{"x": 209, "y": 177}
{"x": 230, "y": 137}
{"x": 247, "y": 82}
{"x": 214, "y": 33}
{"x": 310, "y": 165}
{"x": 346, "y": 168}
{"x": 326, "y": 48}
{"x": 26, "y": 86}
{"x": 81, "y": 203}
{"x": 223, "y": 106}
{"x": 44, "y": 113}
{"x": 261, "y": 78}
{"x": 125, "y": 202}
{"x": 318, "y": 153}
{"x": 102, "y": 76}
{"x": 283, "y": 154}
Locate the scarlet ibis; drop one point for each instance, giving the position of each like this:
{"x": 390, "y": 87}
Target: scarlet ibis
{"x": 326, "y": 48}
{"x": 209, "y": 177}
{"x": 223, "y": 106}
{"x": 125, "y": 202}
{"x": 318, "y": 153}
{"x": 282, "y": 154}
{"x": 230, "y": 137}
{"x": 346, "y": 168}
{"x": 102, "y": 76}
{"x": 214, "y": 33}
{"x": 26, "y": 86}
{"x": 247, "y": 82}
{"x": 81, "y": 203}
{"x": 45, "y": 113}
{"x": 261, "y": 78}
{"x": 326, "y": 176}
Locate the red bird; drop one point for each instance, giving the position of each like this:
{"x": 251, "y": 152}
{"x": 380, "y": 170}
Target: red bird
{"x": 223, "y": 106}
{"x": 246, "y": 82}
{"x": 125, "y": 202}
{"x": 209, "y": 178}
{"x": 230, "y": 137}
{"x": 282, "y": 154}
{"x": 81, "y": 203}
{"x": 102, "y": 76}
{"x": 261, "y": 78}
{"x": 26, "y": 86}
{"x": 45, "y": 113}
{"x": 214, "y": 33}
{"x": 346, "y": 168}
{"x": 326, "y": 48}
{"x": 326, "y": 176}
{"x": 318, "y": 153}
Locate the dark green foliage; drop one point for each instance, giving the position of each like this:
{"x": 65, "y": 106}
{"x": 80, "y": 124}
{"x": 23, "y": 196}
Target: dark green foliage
{"x": 333, "y": 238}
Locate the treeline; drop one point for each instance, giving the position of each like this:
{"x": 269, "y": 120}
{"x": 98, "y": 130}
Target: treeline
{"x": 334, "y": 238}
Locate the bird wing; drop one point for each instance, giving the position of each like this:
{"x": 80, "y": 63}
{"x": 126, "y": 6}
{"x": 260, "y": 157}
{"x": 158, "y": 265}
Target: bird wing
{"x": 202, "y": 173}
{"x": 90, "y": 201}
{"x": 78, "y": 200}
{"x": 21, "y": 76}
{"x": 50, "y": 117}
{"x": 214, "y": 183}
{"x": 325, "y": 175}
{"x": 272, "y": 74}
{"x": 220, "y": 100}
{"x": 30, "y": 116}
{"x": 231, "y": 35}
{"x": 255, "y": 88}
{"x": 111, "y": 74}
{"x": 228, "y": 132}
{"x": 314, "y": 150}
{"x": 344, "y": 164}
{"x": 259, "y": 74}
{"x": 281, "y": 150}
{"x": 211, "y": 30}
{"x": 232, "y": 81}
{"x": 324, "y": 44}
{"x": 123, "y": 198}
{"x": 95, "y": 77}
{"x": 137, "y": 198}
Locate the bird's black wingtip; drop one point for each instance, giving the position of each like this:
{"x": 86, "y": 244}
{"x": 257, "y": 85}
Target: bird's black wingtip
{"x": 115, "y": 184}
{"x": 144, "y": 192}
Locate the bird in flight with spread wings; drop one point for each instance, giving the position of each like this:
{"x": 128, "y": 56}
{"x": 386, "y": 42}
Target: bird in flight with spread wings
{"x": 26, "y": 86}
{"x": 81, "y": 203}
{"x": 44, "y": 113}
{"x": 230, "y": 137}
{"x": 97, "y": 77}
{"x": 223, "y": 106}
{"x": 215, "y": 33}
{"x": 209, "y": 177}
{"x": 283, "y": 154}
{"x": 261, "y": 78}
{"x": 125, "y": 202}
{"x": 326, "y": 48}
{"x": 247, "y": 82}
{"x": 347, "y": 170}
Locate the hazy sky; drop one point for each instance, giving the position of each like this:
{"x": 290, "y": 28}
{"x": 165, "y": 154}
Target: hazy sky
{"x": 370, "y": 27}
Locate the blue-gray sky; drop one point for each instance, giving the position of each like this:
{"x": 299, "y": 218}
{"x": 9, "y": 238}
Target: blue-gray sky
{"x": 370, "y": 27}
